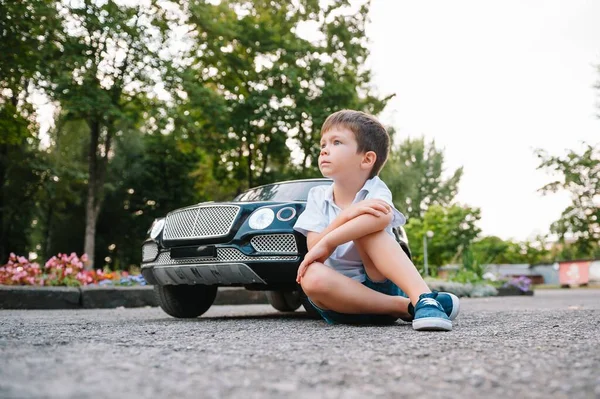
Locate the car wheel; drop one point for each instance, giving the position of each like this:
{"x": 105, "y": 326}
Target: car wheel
{"x": 185, "y": 301}
{"x": 284, "y": 301}
{"x": 310, "y": 309}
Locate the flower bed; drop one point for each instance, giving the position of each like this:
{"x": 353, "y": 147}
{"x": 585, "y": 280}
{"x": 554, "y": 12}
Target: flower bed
{"x": 62, "y": 270}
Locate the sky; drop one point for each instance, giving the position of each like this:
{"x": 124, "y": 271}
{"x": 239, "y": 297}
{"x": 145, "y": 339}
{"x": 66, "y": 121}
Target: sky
{"x": 490, "y": 82}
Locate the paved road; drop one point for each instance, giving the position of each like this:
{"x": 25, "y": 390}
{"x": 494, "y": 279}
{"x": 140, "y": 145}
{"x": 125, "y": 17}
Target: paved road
{"x": 545, "y": 346}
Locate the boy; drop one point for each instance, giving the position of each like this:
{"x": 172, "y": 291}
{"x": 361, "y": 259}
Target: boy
{"x": 354, "y": 268}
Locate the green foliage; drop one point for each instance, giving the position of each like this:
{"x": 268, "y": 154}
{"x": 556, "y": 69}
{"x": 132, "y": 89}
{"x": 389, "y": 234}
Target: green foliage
{"x": 580, "y": 175}
{"x": 28, "y": 33}
{"x": 471, "y": 270}
{"x": 270, "y": 88}
{"x": 493, "y": 250}
{"x": 60, "y": 201}
{"x": 453, "y": 230}
{"x": 153, "y": 176}
{"x": 414, "y": 174}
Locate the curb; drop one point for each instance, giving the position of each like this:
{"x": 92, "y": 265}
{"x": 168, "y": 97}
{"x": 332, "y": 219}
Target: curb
{"x": 95, "y": 297}
{"x": 23, "y": 297}
{"x": 103, "y": 297}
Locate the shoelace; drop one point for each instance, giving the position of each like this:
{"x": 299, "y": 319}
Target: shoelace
{"x": 430, "y": 301}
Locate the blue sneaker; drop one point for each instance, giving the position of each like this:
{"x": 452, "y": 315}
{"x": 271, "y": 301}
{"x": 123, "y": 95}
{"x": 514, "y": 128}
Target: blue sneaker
{"x": 449, "y": 302}
{"x": 430, "y": 315}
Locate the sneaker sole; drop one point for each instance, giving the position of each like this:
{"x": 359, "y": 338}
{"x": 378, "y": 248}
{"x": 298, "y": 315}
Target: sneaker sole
{"x": 455, "y": 306}
{"x": 432, "y": 324}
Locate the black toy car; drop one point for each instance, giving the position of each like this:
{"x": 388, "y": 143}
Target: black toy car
{"x": 249, "y": 242}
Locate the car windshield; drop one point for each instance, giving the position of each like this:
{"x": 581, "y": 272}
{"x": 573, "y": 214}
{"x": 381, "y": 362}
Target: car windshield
{"x": 281, "y": 192}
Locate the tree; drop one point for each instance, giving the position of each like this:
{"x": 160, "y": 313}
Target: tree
{"x": 152, "y": 175}
{"x": 414, "y": 174}
{"x": 110, "y": 62}
{"x": 28, "y": 32}
{"x": 494, "y": 250}
{"x": 60, "y": 201}
{"x": 275, "y": 87}
{"x": 578, "y": 173}
{"x": 453, "y": 230}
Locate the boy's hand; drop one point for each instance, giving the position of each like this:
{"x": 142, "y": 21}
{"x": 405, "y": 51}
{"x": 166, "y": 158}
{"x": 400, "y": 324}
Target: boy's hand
{"x": 375, "y": 207}
{"x": 319, "y": 253}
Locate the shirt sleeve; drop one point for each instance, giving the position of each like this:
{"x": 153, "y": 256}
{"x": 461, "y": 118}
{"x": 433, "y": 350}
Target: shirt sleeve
{"x": 313, "y": 218}
{"x": 384, "y": 193}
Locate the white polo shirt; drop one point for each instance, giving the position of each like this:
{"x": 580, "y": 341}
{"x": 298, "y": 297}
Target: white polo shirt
{"x": 321, "y": 211}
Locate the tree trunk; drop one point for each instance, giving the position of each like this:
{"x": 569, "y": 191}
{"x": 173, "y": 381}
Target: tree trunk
{"x": 304, "y": 162}
{"x": 91, "y": 217}
{"x": 48, "y": 230}
{"x": 265, "y": 155}
{"x": 97, "y": 173}
{"x": 3, "y": 236}
{"x": 250, "y": 180}
{"x": 4, "y": 217}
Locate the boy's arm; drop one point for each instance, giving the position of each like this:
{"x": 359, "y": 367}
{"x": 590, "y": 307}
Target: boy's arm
{"x": 355, "y": 228}
{"x": 376, "y": 208}
{"x": 313, "y": 237}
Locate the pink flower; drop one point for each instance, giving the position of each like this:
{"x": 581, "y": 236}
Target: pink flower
{"x": 84, "y": 258}
{"x": 68, "y": 270}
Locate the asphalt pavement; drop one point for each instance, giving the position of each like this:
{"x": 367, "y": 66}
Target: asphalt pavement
{"x": 545, "y": 346}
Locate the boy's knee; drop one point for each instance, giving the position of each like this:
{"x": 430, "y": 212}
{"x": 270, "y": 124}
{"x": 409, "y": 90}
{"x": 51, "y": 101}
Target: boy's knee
{"x": 314, "y": 280}
{"x": 365, "y": 240}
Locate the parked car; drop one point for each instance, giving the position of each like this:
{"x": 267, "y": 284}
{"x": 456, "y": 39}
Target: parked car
{"x": 246, "y": 242}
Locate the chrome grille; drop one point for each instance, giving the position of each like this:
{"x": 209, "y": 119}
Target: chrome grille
{"x": 149, "y": 252}
{"x": 224, "y": 255}
{"x": 200, "y": 222}
{"x": 275, "y": 243}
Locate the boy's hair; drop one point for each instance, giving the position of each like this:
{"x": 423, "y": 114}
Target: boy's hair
{"x": 369, "y": 132}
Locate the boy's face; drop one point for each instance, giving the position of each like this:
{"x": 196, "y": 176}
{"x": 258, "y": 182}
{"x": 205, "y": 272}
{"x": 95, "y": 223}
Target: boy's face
{"x": 338, "y": 157}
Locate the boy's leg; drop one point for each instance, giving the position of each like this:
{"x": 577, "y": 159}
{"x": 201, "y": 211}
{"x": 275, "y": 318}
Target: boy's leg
{"x": 383, "y": 258}
{"x": 449, "y": 302}
{"x": 332, "y": 290}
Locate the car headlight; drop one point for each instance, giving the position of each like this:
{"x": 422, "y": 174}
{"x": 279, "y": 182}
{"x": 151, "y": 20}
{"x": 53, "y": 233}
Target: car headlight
{"x": 157, "y": 227}
{"x": 261, "y": 219}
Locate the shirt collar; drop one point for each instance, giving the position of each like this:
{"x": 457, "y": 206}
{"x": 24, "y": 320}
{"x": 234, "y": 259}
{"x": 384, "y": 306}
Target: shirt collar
{"x": 368, "y": 186}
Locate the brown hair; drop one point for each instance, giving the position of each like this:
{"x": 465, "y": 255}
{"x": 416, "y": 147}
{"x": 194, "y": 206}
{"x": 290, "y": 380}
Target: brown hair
{"x": 369, "y": 132}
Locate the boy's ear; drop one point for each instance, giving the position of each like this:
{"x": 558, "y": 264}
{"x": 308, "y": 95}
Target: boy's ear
{"x": 369, "y": 159}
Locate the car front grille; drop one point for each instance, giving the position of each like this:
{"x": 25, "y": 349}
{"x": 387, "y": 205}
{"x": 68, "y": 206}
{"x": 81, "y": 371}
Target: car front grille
{"x": 149, "y": 252}
{"x": 224, "y": 255}
{"x": 275, "y": 243}
{"x": 200, "y": 222}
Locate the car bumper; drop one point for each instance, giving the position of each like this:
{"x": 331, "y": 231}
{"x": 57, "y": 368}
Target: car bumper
{"x": 262, "y": 270}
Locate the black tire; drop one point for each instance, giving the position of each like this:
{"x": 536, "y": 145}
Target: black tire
{"x": 185, "y": 301}
{"x": 284, "y": 301}
{"x": 310, "y": 309}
